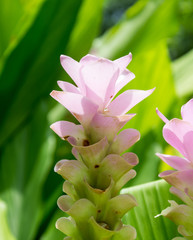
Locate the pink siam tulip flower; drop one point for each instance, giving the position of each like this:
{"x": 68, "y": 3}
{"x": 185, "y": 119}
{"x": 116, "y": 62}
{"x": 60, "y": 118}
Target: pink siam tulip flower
{"x": 179, "y": 134}
{"x": 92, "y": 101}
{"x": 94, "y": 180}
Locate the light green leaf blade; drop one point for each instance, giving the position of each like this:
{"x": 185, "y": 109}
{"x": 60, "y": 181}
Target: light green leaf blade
{"x": 51, "y": 231}
{"x": 152, "y": 198}
{"x": 35, "y": 61}
{"x": 151, "y": 70}
{"x": 86, "y": 28}
{"x": 25, "y": 163}
{"x": 144, "y": 24}
{"x": 4, "y": 228}
{"x": 182, "y": 70}
{"x": 15, "y": 18}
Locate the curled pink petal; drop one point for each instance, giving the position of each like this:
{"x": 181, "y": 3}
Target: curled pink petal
{"x": 182, "y": 195}
{"x": 179, "y": 134}
{"x": 166, "y": 173}
{"x": 104, "y": 125}
{"x": 131, "y": 158}
{"x": 163, "y": 118}
{"x": 99, "y": 78}
{"x": 65, "y": 129}
{"x": 175, "y": 162}
{"x": 124, "y": 61}
{"x": 81, "y": 107}
{"x": 187, "y": 111}
{"x": 72, "y": 67}
{"x": 89, "y": 58}
{"x": 180, "y": 179}
{"x": 125, "y": 77}
{"x": 127, "y": 100}
{"x": 124, "y": 140}
{"x": 68, "y": 87}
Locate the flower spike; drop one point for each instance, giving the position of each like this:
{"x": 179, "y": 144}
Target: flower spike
{"x": 179, "y": 134}
{"x": 101, "y": 169}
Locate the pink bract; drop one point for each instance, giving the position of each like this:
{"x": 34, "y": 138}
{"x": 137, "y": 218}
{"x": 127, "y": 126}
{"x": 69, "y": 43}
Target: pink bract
{"x": 179, "y": 134}
{"x": 91, "y": 99}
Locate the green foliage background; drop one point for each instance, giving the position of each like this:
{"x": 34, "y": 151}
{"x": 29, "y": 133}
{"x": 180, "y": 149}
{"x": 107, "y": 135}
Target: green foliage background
{"x": 34, "y": 33}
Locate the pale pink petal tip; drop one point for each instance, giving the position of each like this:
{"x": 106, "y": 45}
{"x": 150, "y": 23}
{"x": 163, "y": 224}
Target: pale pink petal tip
{"x": 52, "y": 93}
{"x": 163, "y": 118}
{"x": 187, "y": 111}
{"x": 124, "y": 61}
{"x": 175, "y": 161}
{"x": 63, "y": 57}
{"x": 68, "y": 87}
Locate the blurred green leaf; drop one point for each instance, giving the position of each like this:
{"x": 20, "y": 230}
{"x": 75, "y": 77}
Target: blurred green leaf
{"x": 152, "y": 198}
{"x": 144, "y": 24}
{"x": 149, "y": 164}
{"x": 151, "y": 70}
{"x": 15, "y": 18}
{"x": 25, "y": 164}
{"x": 4, "y": 229}
{"x": 51, "y": 231}
{"x": 35, "y": 62}
{"x": 182, "y": 70}
{"x": 86, "y": 29}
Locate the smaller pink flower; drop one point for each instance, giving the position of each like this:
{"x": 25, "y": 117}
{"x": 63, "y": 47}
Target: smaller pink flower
{"x": 179, "y": 134}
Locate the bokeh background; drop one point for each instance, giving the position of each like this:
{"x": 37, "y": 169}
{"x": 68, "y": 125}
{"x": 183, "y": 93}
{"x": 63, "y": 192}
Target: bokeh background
{"x": 33, "y": 34}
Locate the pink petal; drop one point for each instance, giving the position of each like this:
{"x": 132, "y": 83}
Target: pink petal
{"x": 131, "y": 158}
{"x": 182, "y": 195}
{"x": 187, "y": 111}
{"x": 99, "y": 78}
{"x": 124, "y": 140}
{"x": 163, "y": 118}
{"x": 68, "y": 87}
{"x": 180, "y": 179}
{"x": 179, "y": 134}
{"x": 65, "y": 129}
{"x": 124, "y": 61}
{"x": 125, "y": 77}
{"x": 89, "y": 58}
{"x": 110, "y": 91}
{"x": 175, "y": 162}
{"x": 125, "y": 101}
{"x": 104, "y": 125}
{"x": 72, "y": 67}
{"x": 81, "y": 107}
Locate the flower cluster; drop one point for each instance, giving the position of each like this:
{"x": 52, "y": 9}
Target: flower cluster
{"x": 179, "y": 134}
{"x": 94, "y": 179}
